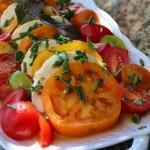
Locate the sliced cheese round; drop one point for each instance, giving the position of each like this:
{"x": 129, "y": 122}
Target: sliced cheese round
{"x": 9, "y": 17}
{"x": 28, "y": 59}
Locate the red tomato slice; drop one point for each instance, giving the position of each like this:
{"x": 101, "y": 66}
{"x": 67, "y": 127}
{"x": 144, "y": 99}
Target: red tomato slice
{"x": 94, "y": 32}
{"x": 46, "y": 135}
{"x": 16, "y": 96}
{"x": 7, "y": 66}
{"x": 5, "y": 90}
{"x": 20, "y": 121}
{"x": 6, "y": 37}
{"x": 136, "y": 100}
{"x": 115, "y": 58}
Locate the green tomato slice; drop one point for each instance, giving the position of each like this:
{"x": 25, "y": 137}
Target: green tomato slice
{"x": 20, "y": 80}
{"x": 113, "y": 40}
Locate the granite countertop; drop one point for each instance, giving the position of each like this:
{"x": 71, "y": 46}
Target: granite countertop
{"x": 133, "y": 18}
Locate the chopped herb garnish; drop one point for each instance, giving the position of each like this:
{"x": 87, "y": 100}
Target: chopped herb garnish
{"x": 91, "y": 20}
{"x": 139, "y": 101}
{"x": 59, "y": 62}
{"x": 98, "y": 84}
{"x": 65, "y": 67}
{"x": 80, "y": 92}
{"x": 136, "y": 118}
{"x": 61, "y": 39}
{"x": 19, "y": 56}
{"x": 142, "y": 127}
{"x": 68, "y": 14}
{"x": 7, "y": 22}
{"x": 106, "y": 72}
{"x": 91, "y": 44}
{"x": 13, "y": 44}
{"x": 46, "y": 44}
{"x": 34, "y": 49}
{"x": 37, "y": 88}
{"x": 11, "y": 106}
{"x": 24, "y": 67}
{"x": 142, "y": 62}
{"x": 134, "y": 79}
{"x": 81, "y": 56}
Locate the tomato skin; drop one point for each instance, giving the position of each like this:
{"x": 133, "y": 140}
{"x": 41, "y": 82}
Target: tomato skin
{"x": 16, "y": 96}
{"x": 6, "y": 37}
{"x": 143, "y": 74}
{"x": 130, "y": 106}
{"x": 5, "y": 90}
{"x": 82, "y": 16}
{"x": 94, "y": 32}
{"x": 7, "y": 66}
{"x": 115, "y": 58}
{"x": 20, "y": 123}
{"x": 46, "y": 135}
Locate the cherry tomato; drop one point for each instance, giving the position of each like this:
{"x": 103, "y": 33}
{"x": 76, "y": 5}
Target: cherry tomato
{"x": 46, "y": 135}
{"x": 115, "y": 58}
{"x": 5, "y": 90}
{"x": 82, "y": 16}
{"x": 94, "y": 32}
{"x": 16, "y": 96}
{"x": 20, "y": 121}
{"x": 6, "y": 37}
{"x": 136, "y": 75}
{"x": 136, "y": 100}
{"x": 7, "y": 66}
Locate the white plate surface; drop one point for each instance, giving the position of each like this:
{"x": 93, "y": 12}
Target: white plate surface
{"x": 124, "y": 130}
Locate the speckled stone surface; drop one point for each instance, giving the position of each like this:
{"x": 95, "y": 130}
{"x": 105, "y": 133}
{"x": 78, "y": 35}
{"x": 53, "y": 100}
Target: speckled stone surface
{"x": 133, "y": 17}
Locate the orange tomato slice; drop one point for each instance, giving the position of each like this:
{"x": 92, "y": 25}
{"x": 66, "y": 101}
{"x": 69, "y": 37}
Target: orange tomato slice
{"x": 71, "y": 116}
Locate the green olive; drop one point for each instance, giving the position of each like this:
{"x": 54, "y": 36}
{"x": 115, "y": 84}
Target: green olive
{"x": 113, "y": 40}
{"x": 20, "y": 80}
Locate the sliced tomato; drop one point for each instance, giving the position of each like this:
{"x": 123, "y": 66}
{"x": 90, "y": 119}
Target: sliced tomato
{"x": 46, "y": 135}
{"x": 92, "y": 110}
{"x": 20, "y": 121}
{"x": 94, "y": 32}
{"x": 115, "y": 58}
{"x": 5, "y": 90}
{"x": 136, "y": 75}
{"x": 7, "y": 66}
{"x": 136, "y": 100}
{"x": 6, "y": 37}
{"x": 16, "y": 96}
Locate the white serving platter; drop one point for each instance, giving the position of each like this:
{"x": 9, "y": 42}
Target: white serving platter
{"x": 125, "y": 128}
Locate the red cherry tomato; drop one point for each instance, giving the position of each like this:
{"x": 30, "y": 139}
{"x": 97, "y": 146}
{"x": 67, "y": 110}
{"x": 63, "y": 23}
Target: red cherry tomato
{"x": 20, "y": 121}
{"x": 16, "y": 96}
{"x": 7, "y": 66}
{"x": 115, "y": 58}
{"x": 6, "y": 37}
{"x": 136, "y": 101}
{"x": 94, "y": 32}
{"x": 46, "y": 135}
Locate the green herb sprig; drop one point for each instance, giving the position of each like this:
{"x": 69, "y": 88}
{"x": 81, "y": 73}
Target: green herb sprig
{"x": 81, "y": 56}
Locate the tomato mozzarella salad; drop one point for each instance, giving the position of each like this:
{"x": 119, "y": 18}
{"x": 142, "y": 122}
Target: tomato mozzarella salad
{"x": 62, "y": 71}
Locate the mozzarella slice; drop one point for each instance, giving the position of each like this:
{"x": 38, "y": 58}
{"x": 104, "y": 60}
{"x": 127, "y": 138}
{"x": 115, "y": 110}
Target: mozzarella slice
{"x": 8, "y": 14}
{"x": 45, "y": 72}
{"x": 24, "y": 28}
{"x": 28, "y": 60}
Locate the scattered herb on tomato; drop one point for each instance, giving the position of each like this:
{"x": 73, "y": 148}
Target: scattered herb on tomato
{"x": 134, "y": 79}
{"x": 81, "y": 56}
{"x": 80, "y": 93}
{"x": 99, "y": 84}
{"x": 91, "y": 20}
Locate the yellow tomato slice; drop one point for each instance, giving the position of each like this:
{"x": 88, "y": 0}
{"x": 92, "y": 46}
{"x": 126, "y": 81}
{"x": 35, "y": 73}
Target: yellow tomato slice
{"x": 70, "y": 46}
{"x": 69, "y": 114}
